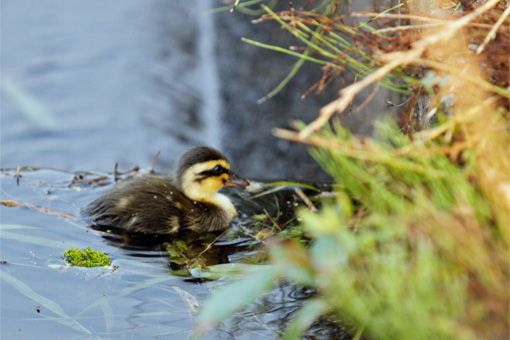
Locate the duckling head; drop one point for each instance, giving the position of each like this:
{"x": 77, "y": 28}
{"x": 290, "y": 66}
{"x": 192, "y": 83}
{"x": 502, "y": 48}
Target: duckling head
{"x": 202, "y": 172}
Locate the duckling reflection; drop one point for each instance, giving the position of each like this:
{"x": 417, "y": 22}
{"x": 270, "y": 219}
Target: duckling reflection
{"x": 162, "y": 205}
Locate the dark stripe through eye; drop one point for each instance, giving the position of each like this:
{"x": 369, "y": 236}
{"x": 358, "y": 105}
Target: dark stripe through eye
{"x": 216, "y": 171}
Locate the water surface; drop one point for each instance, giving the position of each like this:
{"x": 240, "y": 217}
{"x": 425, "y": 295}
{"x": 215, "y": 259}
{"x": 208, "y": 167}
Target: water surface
{"x": 85, "y": 84}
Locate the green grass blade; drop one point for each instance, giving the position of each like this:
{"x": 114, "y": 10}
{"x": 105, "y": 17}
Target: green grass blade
{"x": 238, "y": 295}
{"x": 34, "y": 110}
{"x": 304, "y": 318}
{"x": 294, "y": 70}
{"x": 129, "y": 290}
{"x": 292, "y": 53}
{"x": 43, "y": 301}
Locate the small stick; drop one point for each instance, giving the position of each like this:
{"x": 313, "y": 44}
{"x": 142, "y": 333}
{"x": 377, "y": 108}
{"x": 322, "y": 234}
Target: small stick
{"x": 79, "y": 178}
{"x": 116, "y": 172}
{"x": 234, "y": 5}
{"x": 412, "y": 17}
{"x": 406, "y": 121}
{"x": 327, "y": 194}
{"x": 492, "y": 33}
{"x": 13, "y": 204}
{"x": 152, "y": 168}
{"x": 305, "y": 199}
{"x": 135, "y": 168}
{"x": 18, "y": 175}
{"x": 394, "y": 60}
{"x": 408, "y": 27}
{"x": 272, "y": 219}
{"x": 207, "y": 248}
{"x": 369, "y": 98}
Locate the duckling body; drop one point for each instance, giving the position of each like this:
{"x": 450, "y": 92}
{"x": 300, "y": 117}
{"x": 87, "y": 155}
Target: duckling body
{"x": 164, "y": 205}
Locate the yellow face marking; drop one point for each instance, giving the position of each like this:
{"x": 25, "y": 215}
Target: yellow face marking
{"x": 198, "y": 168}
{"x": 211, "y": 184}
{"x": 204, "y": 189}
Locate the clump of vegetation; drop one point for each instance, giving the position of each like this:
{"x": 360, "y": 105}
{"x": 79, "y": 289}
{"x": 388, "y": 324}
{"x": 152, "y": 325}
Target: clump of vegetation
{"x": 417, "y": 241}
{"x": 87, "y": 257}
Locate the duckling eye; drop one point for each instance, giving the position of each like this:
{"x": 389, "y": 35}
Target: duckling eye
{"x": 216, "y": 171}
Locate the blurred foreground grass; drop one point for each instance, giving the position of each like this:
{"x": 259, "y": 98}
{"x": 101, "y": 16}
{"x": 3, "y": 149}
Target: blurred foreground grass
{"x": 416, "y": 243}
{"x": 420, "y": 256}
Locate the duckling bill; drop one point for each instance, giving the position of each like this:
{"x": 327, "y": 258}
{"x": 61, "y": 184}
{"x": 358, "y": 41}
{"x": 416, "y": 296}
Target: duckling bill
{"x": 164, "y": 205}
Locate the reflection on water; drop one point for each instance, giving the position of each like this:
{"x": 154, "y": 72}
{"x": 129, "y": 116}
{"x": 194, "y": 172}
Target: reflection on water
{"x": 269, "y": 316}
{"x": 121, "y": 79}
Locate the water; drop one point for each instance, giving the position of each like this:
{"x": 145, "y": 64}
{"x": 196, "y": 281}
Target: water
{"x": 138, "y": 296}
{"x": 85, "y": 84}
{"x": 120, "y": 80}
{"x": 211, "y": 108}
{"x": 104, "y": 302}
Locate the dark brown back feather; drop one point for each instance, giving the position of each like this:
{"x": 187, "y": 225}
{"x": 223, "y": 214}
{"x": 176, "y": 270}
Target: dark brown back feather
{"x": 153, "y": 205}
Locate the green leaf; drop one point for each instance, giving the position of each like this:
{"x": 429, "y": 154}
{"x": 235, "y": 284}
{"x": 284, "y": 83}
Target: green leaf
{"x": 234, "y": 297}
{"x": 327, "y": 254}
{"x": 43, "y": 301}
{"x": 225, "y": 270}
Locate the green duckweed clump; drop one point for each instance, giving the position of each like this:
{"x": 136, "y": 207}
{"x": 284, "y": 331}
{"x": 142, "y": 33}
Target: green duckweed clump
{"x": 87, "y": 257}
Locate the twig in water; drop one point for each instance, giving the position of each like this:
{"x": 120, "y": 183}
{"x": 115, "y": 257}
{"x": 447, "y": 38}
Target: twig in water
{"x": 18, "y": 175}
{"x": 305, "y": 199}
{"x": 79, "y": 178}
{"x": 14, "y": 204}
{"x": 116, "y": 172}
{"x": 189, "y": 299}
{"x": 207, "y": 248}
{"x": 152, "y": 168}
{"x": 272, "y": 220}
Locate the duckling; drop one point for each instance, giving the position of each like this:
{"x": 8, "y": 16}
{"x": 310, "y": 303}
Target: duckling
{"x": 162, "y": 205}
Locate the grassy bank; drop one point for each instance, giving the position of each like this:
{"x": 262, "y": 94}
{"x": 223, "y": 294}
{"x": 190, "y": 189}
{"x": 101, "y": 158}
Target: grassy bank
{"x": 416, "y": 243}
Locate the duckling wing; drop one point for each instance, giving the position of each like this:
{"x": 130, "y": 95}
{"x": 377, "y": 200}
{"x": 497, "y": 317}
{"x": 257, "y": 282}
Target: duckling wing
{"x": 205, "y": 217}
{"x": 150, "y": 204}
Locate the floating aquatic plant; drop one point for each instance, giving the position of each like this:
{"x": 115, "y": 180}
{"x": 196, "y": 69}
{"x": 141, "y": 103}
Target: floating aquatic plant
{"x": 87, "y": 257}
